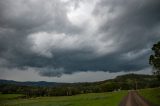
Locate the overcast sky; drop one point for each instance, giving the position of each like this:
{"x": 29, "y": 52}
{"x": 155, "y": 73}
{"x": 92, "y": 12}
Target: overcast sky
{"x": 76, "y": 40}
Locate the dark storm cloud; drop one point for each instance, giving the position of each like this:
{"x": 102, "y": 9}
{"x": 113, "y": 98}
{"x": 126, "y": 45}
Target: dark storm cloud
{"x": 135, "y": 26}
{"x": 45, "y": 35}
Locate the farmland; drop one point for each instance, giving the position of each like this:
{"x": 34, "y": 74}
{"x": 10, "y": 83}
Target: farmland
{"x": 104, "y": 93}
{"x": 152, "y": 95}
{"x": 91, "y": 99}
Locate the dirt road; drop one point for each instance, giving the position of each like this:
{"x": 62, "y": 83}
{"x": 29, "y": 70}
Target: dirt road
{"x": 134, "y": 99}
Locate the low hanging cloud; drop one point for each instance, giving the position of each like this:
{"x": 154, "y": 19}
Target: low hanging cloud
{"x": 57, "y": 37}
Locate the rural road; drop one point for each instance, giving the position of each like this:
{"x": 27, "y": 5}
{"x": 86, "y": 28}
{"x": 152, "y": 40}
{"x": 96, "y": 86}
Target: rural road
{"x": 133, "y": 99}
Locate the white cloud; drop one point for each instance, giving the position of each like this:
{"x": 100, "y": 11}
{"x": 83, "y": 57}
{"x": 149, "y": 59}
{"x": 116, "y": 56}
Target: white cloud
{"x": 45, "y": 43}
{"x": 82, "y": 14}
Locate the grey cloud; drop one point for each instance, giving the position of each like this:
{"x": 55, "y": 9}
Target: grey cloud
{"x": 51, "y": 72}
{"x": 124, "y": 30}
{"x": 23, "y": 14}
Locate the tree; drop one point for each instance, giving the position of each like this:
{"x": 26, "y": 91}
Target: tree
{"x": 154, "y": 59}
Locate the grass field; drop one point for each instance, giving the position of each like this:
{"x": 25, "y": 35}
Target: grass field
{"x": 152, "y": 95}
{"x": 9, "y": 96}
{"x": 93, "y": 99}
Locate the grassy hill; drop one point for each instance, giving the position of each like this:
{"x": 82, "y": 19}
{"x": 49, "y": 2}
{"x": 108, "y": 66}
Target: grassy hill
{"x": 124, "y": 82}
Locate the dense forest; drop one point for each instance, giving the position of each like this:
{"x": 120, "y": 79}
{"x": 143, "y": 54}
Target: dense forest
{"x": 124, "y": 82}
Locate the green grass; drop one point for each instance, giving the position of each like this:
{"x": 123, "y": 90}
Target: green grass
{"x": 152, "y": 95}
{"x": 9, "y": 96}
{"x": 92, "y": 99}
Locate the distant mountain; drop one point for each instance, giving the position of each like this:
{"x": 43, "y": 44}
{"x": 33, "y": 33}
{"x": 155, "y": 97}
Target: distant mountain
{"x": 31, "y": 83}
{"x": 128, "y": 78}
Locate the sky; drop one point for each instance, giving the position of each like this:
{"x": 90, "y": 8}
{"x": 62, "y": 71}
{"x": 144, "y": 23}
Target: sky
{"x": 76, "y": 40}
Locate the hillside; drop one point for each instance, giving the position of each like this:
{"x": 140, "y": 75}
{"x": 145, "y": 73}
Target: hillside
{"x": 42, "y": 88}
